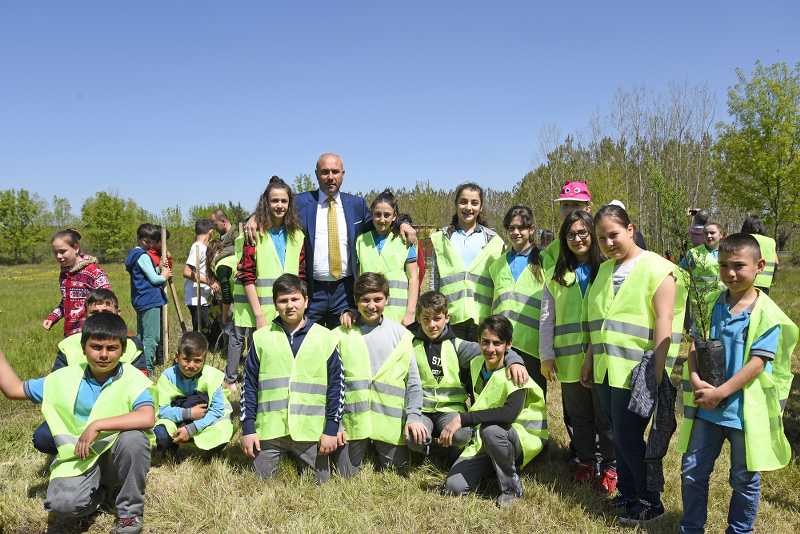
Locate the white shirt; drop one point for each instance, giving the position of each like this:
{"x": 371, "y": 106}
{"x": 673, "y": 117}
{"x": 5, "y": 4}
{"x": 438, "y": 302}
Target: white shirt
{"x": 322, "y": 271}
{"x": 189, "y": 297}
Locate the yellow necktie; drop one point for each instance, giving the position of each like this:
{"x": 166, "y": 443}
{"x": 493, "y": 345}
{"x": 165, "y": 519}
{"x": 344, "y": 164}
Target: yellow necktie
{"x": 334, "y": 257}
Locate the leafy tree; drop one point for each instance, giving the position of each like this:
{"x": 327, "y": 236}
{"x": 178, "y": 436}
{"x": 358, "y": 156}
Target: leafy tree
{"x": 304, "y": 182}
{"x": 22, "y": 221}
{"x": 110, "y": 224}
{"x": 62, "y": 213}
{"x": 758, "y": 154}
{"x": 235, "y": 212}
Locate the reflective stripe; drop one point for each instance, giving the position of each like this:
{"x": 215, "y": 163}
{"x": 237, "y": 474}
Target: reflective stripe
{"x": 463, "y": 276}
{"x": 533, "y": 425}
{"x": 264, "y": 282}
{"x": 274, "y": 383}
{"x": 273, "y": 405}
{"x": 356, "y": 385}
{"x": 398, "y": 284}
{"x": 619, "y": 352}
{"x": 365, "y": 406}
{"x": 452, "y": 279}
{"x": 517, "y": 297}
{"x": 64, "y": 439}
{"x": 356, "y": 407}
{"x": 689, "y": 412}
{"x": 242, "y": 299}
{"x": 767, "y": 273}
{"x": 397, "y": 302}
{"x": 389, "y": 389}
{"x": 443, "y": 391}
{"x": 307, "y": 409}
{"x": 631, "y": 329}
{"x": 522, "y": 319}
{"x": 670, "y": 361}
{"x": 569, "y": 350}
{"x": 304, "y": 387}
{"x": 469, "y": 293}
{"x": 569, "y": 328}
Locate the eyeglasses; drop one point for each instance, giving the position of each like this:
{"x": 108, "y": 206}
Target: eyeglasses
{"x": 580, "y": 235}
{"x": 326, "y": 172}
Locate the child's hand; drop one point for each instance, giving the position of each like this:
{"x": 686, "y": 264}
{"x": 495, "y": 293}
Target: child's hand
{"x": 446, "y": 435}
{"x": 708, "y": 398}
{"x": 215, "y": 287}
{"x": 251, "y": 445}
{"x": 166, "y": 272}
{"x": 697, "y": 383}
{"x": 416, "y": 432}
{"x": 341, "y": 438}
{"x": 327, "y": 444}
{"x": 548, "y": 368}
{"x": 84, "y": 446}
{"x": 346, "y": 319}
{"x": 408, "y": 318}
{"x": 518, "y": 374}
{"x": 199, "y": 411}
{"x": 47, "y": 324}
{"x": 181, "y": 436}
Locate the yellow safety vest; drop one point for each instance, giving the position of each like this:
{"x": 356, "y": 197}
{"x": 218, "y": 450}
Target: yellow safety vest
{"x": 58, "y": 405}
{"x": 770, "y": 255}
{"x": 570, "y": 334}
{"x": 520, "y": 301}
{"x": 391, "y": 262}
{"x": 766, "y": 446}
{"x": 704, "y": 269}
{"x": 468, "y": 289}
{"x": 292, "y": 388}
{"x": 210, "y": 381}
{"x": 621, "y": 326}
{"x": 549, "y": 255}
{"x": 447, "y": 394}
{"x": 71, "y": 347}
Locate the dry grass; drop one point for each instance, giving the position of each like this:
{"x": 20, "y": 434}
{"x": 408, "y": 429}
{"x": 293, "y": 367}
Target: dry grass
{"x": 221, "y": 494}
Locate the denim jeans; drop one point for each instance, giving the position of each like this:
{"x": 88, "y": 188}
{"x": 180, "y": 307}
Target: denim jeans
{"x": 697, "y": 465}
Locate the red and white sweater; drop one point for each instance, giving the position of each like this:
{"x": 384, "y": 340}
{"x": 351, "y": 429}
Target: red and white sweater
{"x": 76, "y": 284}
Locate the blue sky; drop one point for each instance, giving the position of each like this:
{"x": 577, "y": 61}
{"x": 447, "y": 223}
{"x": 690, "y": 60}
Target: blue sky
{"x": 192, "y": 102}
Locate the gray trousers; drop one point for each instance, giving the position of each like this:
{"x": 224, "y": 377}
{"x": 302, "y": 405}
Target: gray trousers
{"x": 501, "y": 452}
{"x": 348, "y": 459}
{"x": 125, "y": 467}
{"x": 591, "y": 430}
{"x": 236, "y": 338}
{"x": 272, "y": 450}
{"x": 434, "y": 423}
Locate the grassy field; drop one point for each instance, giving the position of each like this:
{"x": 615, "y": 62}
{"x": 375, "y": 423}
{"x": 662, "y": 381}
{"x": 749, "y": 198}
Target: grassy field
{"x": 221, "y": 494}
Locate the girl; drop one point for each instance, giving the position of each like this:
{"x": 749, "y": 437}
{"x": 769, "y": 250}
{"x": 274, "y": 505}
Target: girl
{"x": 561, "y": 348}
{"x": 382, "y": 251}
{"x": 635, "y": 313}
{"x": 462, "y": 254}
{"x": 518, "y": 282}
{"x": 80, "y": 275}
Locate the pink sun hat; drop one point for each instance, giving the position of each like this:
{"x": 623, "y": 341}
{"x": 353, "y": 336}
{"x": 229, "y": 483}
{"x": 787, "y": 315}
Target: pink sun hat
{"x": 577, "y": 191}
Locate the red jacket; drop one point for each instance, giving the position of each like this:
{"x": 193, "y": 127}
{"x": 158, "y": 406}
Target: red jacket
{"x": 76, "y": 284}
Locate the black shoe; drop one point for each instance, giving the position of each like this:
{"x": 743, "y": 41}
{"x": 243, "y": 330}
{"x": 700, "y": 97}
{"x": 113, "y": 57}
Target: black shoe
{"x": 620, "y": 503}
{"x": 640, "y": 512}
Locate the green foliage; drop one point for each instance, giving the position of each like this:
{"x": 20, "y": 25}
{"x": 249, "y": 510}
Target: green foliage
{"x": 23, "y": 221}
{"x": 758, "y": 153}
{"x": 62, "y": 213}
{"x": 304, "y": 182}
{"x": 235, "y": 212}
{"x": 110, "y": 224}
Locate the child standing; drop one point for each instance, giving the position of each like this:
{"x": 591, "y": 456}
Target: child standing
{"x": 746, "y": 410}
{"x": 562, "y": 342}
{"x": 463, "y": 252}
{"x": 635, "y": 310}
{"x": 192, "y": 404}
{"x": 195, "y": 271}
{"x": 80, "y": 274}
{"x": 147, "y": 288}
{"x": 573, "y": 196}
{"x": 701, "y": 261}
{"x": 99, "y": 413}
{"x": 382, "y": 251}
{"x": 293, "y": 393}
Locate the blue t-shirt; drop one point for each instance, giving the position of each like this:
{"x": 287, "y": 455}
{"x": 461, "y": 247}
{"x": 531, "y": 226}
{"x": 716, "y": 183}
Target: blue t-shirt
{"x": 583, "y": 273}
{"x": 380, "y": 241}
{"x": 468, "y": 246}
{"x": 188, "y": 386}
{"x": 517, "y": 261}
{"x": 732, "y": 331}
{"x": 88, "y": 392}
{"x": 279, "y": 240}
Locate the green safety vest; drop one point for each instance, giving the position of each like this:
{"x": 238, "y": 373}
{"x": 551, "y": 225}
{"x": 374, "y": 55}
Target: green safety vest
{"x": 268, "y": 269}
{"x": 446, "y": 394}
{"x": 570, "y": 336}
{"x": 520, "y": 301}
{"x": 704, "y": 269}
{"x": 374, "y": 403}
{"x": 621, "y": 326}
{"x": 292, "y": 388}
{"x": 766, "y": 446}
{"x": 231, "y": 262}
{"x": 770, "y": 255}
{"x": 530, "y": 424}
{"x": 469, "y": 289}
{"x": 214, "y": 435}
{"x": 58, "y": 405}
{"x": 549, "y": 255}
{"x": 71, "y": 347}
{"x": 391, "y": 262}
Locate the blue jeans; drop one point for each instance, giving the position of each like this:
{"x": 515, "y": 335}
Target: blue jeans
{"x": 697, "y": 465}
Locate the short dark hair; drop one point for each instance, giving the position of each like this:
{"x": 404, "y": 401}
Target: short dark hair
{"x": 499, "y": 325}
{"x": 432, "y": 301}
{"x": 370, "y": 283}
{"x": 151, "y": 232}
{"x": 193, "y": 344}
{"x": 753, "y": 225}
{"x": 614, "y": 212}
{"x": 738, "y": 242}
{"x": 104, "y": 325}
{"x": 203, "y": 226}
{"x": 101, "y": 295}
{"x": 714, "y": 223}
{"x": 288, "y": 283}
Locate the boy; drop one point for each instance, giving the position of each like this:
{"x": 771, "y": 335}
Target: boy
{"x": 443, "y": 361}
{"x": 192, "y": 405}
{"x": 194, "y": 271}
{"x": 293, "y": 387}
{"x": 758, "y": 340}
{"x": 147, "y": 288}
{"x": 99, "y": 412}
{"x": 702, "y": 261}
{"x": 574, "y": 196}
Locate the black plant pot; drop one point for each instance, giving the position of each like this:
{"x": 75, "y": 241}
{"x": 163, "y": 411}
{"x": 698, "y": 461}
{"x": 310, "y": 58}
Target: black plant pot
{"x": 711, "y": 361}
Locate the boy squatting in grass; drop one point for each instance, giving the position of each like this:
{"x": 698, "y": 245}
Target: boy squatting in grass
{"x": 758, "y": 339}
{"x": 293, "y": 388}
{"x": 100, "y": 413}
{"x": 192, "y": 403}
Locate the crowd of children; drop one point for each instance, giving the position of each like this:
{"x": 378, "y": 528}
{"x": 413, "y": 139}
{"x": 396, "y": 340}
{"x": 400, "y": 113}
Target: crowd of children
{"x": 459, "y": 373}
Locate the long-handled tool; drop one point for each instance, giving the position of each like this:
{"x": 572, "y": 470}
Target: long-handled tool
{"x": 197, "y": 293}
{"x": 165, "y": 307}
{"x": 173, "y": 292}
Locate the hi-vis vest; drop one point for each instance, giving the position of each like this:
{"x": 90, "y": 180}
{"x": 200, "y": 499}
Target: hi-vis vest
{"x": 71, "y": 348}
{"x": 231, "y": 263}
{"x": 447, "y": 394}
{"x": 770, "y": 255}
{"x": 210, "y": 381}
{"x": 468, "y": 289}
{"x": 374, "y": 404}
{"x": 621, "y": 326}
{"x": 766, "y": 446}
{"x": 530, "y": 424}
{"x": 570, "y": 335}
{"x": 549, "y": 255}
{"x": 704, "y": 269}
{"x": 520, "y": 301}
{"x": 58, "y": 404}
{"x": 292, "y": 388}
{"x": 391, "y": 262}
{"x": 268, "y": 269}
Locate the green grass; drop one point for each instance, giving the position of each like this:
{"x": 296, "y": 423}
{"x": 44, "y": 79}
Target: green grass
{"x": 223, "y": 495}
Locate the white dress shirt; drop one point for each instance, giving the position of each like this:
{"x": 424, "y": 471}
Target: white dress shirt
{"x": 322, "y": 269}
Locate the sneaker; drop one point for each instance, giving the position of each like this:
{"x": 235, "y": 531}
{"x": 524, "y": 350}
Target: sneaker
{"x": 584, "y": 472}
{"x": 619, "y": 502}
{"x": 505, "y": 500}
{"x": 607, "y": 481}
{"x": 640, "y": 512}
{"x": 129, "y": 525}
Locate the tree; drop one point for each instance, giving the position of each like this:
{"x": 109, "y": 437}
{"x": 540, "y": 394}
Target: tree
{"x": 110, "y": 224}
{"x": 22, "y": 218}
{"x": 62, "y": 213}
{"x": 757, "y": 155}
{"x": 303, "y": 182}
